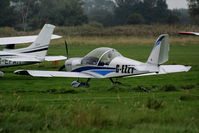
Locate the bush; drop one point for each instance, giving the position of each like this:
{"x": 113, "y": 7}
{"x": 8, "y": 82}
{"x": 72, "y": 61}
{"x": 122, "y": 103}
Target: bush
{"x": 154, "y": 104}
{"x": 169, "y": 88}
{"x": 135, "y": 18}
{"x": 189, "y": 97}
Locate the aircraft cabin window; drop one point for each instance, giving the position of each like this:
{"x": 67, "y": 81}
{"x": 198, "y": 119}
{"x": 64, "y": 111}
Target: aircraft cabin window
{"x": 100, "y": 57}
{"x": 108, "y": 57}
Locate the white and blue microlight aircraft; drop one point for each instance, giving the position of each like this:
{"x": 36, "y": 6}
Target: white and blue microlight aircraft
{"x": 35, "y": 53}
{"x": 109, "y": 63}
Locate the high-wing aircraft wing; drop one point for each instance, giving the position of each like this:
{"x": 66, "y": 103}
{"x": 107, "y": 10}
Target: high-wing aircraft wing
{"x": 25, "y": 59}
{"x": 189, "y": 33}
{"x": 36, "y": 73}
{"x": 55, "y": 58}
{"x": 22, "y": 39}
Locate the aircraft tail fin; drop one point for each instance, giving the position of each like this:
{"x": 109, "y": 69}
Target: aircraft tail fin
{"x": 40, "y": 46}
{"x": 159, "y": 54}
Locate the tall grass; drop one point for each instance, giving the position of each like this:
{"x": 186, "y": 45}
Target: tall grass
{"x": 129, "y": 30}
{"x": 124, "y": 40}
{"x": 97, "y": 30}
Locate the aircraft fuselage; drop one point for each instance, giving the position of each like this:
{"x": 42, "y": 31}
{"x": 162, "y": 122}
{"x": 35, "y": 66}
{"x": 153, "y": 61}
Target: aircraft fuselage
{"x": 8, "y": 63}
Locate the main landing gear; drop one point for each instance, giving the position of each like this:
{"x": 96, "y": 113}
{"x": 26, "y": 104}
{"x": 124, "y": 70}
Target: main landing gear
{"x": 79, "y": 84}
{"x": 115, "y": 82}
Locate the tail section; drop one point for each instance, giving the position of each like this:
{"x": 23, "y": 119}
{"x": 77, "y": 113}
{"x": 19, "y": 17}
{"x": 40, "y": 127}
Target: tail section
{"x": 40, "y": 46}
{"x": 159, "y": 54}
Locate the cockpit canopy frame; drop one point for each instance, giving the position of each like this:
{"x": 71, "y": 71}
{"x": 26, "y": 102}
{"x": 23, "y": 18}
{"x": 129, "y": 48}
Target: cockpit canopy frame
{"x": 100, "y": 56}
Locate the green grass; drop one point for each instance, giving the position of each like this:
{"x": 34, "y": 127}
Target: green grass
{"x": 164, "y": 103}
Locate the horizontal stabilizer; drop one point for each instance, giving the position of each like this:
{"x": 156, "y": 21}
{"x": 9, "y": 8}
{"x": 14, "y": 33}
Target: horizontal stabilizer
{"x": 165, "y": 69}
{"x": 22, "y": 39}
{"x": 55, "y": 58}
{"x": 146, "y": 67}
{"x": 35, "y": 73}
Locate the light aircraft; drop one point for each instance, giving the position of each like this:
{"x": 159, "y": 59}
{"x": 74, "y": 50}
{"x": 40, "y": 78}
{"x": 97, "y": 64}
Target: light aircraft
{"x": 189, "y": 33}
{"x": 109, "y": 63}
{"x": 35, "y": 53}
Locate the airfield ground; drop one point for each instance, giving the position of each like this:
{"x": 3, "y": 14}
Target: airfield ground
{"x": 164, "y": 103}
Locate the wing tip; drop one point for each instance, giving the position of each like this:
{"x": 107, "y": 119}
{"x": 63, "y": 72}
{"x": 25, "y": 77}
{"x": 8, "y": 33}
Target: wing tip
{"x": 21, "y": 72}
{"x": 187, "y": 68}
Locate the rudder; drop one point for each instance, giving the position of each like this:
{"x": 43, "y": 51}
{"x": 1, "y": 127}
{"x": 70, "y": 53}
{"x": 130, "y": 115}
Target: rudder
{"x": 159, "y": 54}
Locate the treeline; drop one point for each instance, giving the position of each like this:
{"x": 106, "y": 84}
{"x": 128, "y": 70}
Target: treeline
{"x": 29, "y": 14}
{"x": 32, "y": 14}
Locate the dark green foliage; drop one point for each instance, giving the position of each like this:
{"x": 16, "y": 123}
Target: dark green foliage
{"x": 169, "y": 88}
{"x": 188, "y": 87}
{"x": 188, "y": 97}
{"x": 194, "y": 10}
{"x": 34, "y": 14}
{"x": 154, "y": 104}
{"x": 7, "y": 14}
{"x": 153, "y": 11}
{"x": 135, "y": 19}
{"x": 100, "y": 11}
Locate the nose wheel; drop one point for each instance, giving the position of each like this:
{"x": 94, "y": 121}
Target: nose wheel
{"x": 1, "y": 74}
{"x": 79, "y": 84}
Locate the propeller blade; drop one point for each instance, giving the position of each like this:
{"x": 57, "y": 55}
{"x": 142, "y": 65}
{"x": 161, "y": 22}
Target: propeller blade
{"x": 66, "y": 46}
{"x": 61, "y": 68}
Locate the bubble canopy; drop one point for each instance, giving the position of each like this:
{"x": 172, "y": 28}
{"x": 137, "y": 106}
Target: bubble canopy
{"x": 100, "y": 56}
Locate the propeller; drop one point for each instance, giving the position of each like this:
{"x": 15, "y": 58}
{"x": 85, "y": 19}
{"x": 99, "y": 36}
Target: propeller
{"x": 66, "y": 48}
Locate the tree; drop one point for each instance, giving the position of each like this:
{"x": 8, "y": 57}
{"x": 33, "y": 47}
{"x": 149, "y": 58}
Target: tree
{"x": 7, "y": 15}
{"x": 161, "y": 12}
{"x": 194, "y": 10}
{"x": 124, "y": 8}
{"x": 135, "y": 19}
{"x": 153, "y": 11}
{"x": 99, "y": 10}
{"x": 33, "y": 14}
{"x": 24, "y": 11}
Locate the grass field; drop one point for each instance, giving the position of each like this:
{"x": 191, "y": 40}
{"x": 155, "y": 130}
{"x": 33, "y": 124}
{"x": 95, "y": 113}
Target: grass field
{"x": 165, "y": 103}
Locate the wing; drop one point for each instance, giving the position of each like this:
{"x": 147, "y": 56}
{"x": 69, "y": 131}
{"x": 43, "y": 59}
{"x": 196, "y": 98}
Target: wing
{"x": 24, "y": 59}
{"x": 166, "y": 69}
{"x": 35, "y": 73}
{"x": 189, "y": 33}
{"x": 55, "y": 58}
{"x": 22, "y": 39}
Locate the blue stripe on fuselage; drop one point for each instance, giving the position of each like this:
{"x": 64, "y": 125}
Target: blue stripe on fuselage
{"x": 91, "y": 68}
{"x": 103, "y": 72}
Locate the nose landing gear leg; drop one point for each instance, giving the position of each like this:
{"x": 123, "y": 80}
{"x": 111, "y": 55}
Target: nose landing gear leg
{"x": 79, "y": 84}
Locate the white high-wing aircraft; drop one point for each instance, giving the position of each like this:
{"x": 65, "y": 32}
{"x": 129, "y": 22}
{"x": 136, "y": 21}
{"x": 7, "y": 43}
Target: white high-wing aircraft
{"x": 35, "y": 53}
{"x": 189, "y": 33}
{"x": 109, "y": 63}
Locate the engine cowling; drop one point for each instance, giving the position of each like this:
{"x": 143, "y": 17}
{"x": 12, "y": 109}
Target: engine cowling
{"x": 72, "y": 63}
